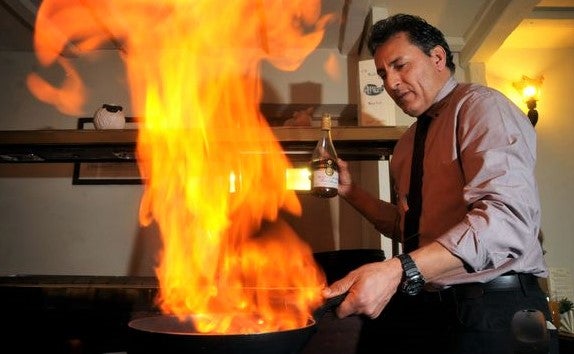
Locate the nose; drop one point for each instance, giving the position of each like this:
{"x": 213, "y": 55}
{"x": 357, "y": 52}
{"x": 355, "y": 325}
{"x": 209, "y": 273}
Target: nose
{"x": 392, "y": 81}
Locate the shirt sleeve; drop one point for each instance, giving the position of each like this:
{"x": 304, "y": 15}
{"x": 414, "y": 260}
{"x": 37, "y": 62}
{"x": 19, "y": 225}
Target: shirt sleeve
{"x": 496, "y": 146}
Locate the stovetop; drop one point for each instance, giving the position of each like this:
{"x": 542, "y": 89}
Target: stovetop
{"x": 69, "y": 314}
{"x": 73, "y": 314}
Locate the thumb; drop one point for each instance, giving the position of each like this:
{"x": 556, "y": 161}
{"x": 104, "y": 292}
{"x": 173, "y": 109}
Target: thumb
{"x": 337, "y": 288}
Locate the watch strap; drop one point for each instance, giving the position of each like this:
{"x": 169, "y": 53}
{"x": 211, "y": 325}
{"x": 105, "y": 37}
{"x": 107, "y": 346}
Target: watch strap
{"x": 409, "y": 267}
{"x": 412, "y": 280}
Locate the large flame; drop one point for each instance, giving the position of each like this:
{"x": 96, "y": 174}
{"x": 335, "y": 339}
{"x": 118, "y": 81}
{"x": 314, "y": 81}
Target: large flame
{"x": 215, "y": 174}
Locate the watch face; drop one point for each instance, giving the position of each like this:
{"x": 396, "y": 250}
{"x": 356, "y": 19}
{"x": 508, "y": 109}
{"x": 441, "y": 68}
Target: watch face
{"x": 413, "y": 285}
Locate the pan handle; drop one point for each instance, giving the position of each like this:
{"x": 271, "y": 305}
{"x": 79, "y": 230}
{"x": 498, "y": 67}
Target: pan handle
{"x": 330, "y": 304}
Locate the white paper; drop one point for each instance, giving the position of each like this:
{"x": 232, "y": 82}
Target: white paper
{"x": 377, "y": 107}
{"x": 567, "y": 321}
{"x": 560, "y": 284}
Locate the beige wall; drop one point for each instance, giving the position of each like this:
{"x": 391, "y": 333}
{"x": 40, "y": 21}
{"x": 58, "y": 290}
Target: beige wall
{"x": 555, "y": 168}
{"x": 50, "y": 226}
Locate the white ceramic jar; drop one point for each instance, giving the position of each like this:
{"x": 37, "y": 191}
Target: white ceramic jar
{"x": 109, "y": 116}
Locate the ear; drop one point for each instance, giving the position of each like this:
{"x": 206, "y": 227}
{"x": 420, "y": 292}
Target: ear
{"x": 438, "y": 56}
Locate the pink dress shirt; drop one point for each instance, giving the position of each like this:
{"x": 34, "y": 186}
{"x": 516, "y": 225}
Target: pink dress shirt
{"x": 480, "y": 198}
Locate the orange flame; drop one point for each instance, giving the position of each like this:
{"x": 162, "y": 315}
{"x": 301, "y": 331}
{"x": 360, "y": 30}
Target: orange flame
{"x": 215, "y": 174}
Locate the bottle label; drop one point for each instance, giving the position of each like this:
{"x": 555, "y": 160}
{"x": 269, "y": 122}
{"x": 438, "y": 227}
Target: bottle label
{"x": 325, "y": 174}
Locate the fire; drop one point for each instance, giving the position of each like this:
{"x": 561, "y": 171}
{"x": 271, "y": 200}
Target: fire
{"x": 215, "y": 174}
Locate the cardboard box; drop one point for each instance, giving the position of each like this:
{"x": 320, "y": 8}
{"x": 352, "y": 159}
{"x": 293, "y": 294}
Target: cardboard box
{"x": 376, "y": 106}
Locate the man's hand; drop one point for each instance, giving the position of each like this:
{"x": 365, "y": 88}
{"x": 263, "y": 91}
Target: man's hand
{"x": 370, "y": 288}
{"x": 345, "y": 180}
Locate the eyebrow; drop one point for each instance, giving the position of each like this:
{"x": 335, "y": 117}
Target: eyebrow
{"x": 392, "y": 64}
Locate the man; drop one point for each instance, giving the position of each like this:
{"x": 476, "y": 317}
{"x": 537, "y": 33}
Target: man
{"x": 476, "y": 259}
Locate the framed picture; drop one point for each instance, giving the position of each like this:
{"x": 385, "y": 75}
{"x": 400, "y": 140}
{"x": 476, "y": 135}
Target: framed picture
{"x": 101, "y": 173}
{"x": 106, "y": 173}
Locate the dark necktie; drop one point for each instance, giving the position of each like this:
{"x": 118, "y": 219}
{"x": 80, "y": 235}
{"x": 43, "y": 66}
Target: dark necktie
{"x": 414, "y": 198}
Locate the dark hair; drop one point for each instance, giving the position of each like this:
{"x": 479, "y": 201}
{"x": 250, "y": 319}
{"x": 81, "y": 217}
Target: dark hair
{"x": 419, "y": 32}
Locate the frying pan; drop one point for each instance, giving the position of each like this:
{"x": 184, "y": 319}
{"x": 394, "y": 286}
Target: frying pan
{"x": 167, "y": 335}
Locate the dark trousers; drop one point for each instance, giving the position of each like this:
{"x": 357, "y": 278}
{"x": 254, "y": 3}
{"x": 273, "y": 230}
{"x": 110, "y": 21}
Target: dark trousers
{"x": 451, "y": 322}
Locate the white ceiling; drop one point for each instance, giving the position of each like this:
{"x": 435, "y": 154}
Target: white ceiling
{"x": 476, "y": 28}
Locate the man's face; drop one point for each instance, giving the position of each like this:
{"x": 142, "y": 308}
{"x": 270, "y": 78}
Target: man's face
{"x": 412, "y": 78}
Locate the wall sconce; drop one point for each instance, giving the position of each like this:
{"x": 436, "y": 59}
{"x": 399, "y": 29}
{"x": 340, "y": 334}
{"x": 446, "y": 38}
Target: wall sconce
{"x": 530, "y": 91}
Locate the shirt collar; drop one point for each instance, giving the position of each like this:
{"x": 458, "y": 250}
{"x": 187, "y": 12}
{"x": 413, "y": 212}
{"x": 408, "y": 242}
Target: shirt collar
{"x": 440, "y": 99}
{"x": 446, "y": 89}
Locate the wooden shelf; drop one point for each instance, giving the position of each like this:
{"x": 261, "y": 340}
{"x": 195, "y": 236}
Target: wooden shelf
{"x": 44, "y": 146}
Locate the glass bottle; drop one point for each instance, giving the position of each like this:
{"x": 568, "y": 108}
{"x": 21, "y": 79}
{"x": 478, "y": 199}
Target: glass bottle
{"x": 324, "y": 169}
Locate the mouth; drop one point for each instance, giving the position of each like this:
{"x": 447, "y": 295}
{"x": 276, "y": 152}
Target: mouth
{"x": 406, "y": 101}
{"x": 402, "y": 98}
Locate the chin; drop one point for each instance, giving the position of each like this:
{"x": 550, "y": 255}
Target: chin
{"x": 410, "y": 112}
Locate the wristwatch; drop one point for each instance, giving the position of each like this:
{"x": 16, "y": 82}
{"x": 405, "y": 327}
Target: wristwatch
{"x": 413, "y": 281}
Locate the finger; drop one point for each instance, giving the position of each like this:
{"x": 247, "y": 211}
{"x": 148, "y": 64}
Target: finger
{"x": 347, "y": 307}
{"x": 376, "y": 314}
{"x": 337, "y": 288}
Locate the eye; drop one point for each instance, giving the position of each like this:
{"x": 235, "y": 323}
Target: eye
{"x": 399, "y": 66}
